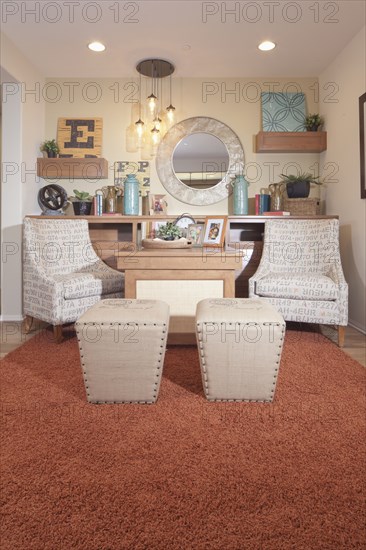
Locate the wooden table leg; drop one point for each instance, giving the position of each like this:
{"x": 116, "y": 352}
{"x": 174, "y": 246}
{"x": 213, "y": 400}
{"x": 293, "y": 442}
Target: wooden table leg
{"x": 341, "y": 335}
{"x": 130, "y": 284}
{"x": 57, "y": 333}
{"x": 27, "y": 324}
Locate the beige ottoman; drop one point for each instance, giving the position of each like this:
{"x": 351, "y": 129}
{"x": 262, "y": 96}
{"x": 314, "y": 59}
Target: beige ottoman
{"x": 122, "y": 347}
{"x": 240, "y": 345}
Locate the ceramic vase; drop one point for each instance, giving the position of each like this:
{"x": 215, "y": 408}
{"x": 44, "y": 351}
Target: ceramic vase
{"x": 240, "y": 186}
{"x": 131, "y": 196}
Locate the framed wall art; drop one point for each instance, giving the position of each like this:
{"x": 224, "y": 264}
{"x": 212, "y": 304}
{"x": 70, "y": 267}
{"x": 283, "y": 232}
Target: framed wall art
{"x": 362, "y": 115}
{"x": 283, "y": 112}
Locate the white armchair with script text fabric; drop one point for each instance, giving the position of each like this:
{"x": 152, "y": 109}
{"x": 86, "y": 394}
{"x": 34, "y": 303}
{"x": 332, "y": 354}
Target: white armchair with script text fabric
{"x": 300, "y": 272}
{"x": 62, "y": 274}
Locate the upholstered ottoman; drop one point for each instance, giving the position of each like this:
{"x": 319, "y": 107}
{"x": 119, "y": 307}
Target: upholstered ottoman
{"x": 122, "y": 347}
{"x": 240, "y": 345}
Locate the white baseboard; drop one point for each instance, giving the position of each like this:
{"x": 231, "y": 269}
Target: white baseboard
{"x": 11, "y": 318}
{"x": 357, "y": 326}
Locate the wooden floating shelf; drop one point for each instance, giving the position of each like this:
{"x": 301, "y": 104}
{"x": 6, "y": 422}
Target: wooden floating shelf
{"x": 72, "y": 168}
{"x": 290, "y": 142}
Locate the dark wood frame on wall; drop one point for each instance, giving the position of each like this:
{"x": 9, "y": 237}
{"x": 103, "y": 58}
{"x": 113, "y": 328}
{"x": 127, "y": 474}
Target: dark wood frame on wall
{"x": 362, "y": 108}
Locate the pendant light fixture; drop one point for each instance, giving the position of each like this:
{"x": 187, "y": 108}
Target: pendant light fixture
{"x": 156, "y": 70}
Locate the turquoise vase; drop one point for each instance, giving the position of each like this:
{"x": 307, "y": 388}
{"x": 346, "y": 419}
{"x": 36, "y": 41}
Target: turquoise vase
{"x": 131, "y": 196}
{"x": 240, "y": 196}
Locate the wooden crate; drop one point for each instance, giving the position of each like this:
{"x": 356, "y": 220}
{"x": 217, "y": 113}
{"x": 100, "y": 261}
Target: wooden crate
{"x": 302, "y": 207}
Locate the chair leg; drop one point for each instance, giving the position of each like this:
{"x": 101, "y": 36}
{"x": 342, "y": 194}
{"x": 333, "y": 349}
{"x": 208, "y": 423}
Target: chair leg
{"x": 27, "y": 324}
{"x": 57, "y": 333}
{"x": 341, "y": 334}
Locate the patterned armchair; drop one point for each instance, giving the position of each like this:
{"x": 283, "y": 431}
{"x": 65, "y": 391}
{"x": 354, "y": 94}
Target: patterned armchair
{"x": 300, "y": 272}
{"x": 62, "y": 274}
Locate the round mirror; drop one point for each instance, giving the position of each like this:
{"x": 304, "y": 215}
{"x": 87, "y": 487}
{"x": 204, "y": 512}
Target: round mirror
{"x": 200, "y": 160}
{"x": 213, "y": 146}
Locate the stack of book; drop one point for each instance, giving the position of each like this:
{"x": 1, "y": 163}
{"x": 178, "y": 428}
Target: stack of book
{"x": 98, "y": 204}
{"x": 262, "y": 203}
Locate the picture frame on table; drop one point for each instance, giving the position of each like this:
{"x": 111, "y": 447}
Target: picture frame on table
{"x": 195, "y": 233}
{"x": 158, "y": 205}
{"x": 214, "y": 231}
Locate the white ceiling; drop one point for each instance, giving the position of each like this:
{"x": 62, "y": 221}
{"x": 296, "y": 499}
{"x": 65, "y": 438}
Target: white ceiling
{"x": 309, "y": 35}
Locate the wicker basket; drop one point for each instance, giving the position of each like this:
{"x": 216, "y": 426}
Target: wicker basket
{"x": 302, "y": 207}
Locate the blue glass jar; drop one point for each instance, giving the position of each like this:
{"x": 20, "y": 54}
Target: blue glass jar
{"x": 240, "y": 186}
{"x": 131, "y": 196}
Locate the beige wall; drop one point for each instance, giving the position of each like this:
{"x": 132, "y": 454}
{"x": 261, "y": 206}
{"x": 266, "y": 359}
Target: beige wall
{"x": 32, "y": 117}
{"x": 22, "y": 129}
{"x": 240, "y": 111}
{"x": 347, "y": 75}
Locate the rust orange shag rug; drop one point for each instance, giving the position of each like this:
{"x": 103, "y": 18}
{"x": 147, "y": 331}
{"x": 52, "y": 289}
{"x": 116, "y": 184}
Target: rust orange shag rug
{"x": 183, "y": 473}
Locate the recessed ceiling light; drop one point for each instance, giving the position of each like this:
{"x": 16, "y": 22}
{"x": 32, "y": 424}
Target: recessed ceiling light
{"x": 187, "y": 47}
{"x": 96, "y": 46}
{"x": 266, "y": 46}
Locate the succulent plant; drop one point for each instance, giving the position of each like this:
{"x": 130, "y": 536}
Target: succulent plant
{"x": 312, "y": 122}
{"x": 81, "y": 196}
{"x": 50, "y": 146}
{"x": 300, "y": 177}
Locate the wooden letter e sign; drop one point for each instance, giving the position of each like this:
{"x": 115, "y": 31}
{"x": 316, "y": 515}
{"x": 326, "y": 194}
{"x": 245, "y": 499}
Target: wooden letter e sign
{"x": 80, "y": 137}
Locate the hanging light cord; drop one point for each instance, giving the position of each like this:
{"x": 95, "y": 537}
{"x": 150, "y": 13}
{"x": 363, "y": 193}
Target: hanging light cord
{"x": 140, "y": 97}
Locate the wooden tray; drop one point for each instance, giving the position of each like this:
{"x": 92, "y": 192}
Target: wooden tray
{"x": 155, "y": 243}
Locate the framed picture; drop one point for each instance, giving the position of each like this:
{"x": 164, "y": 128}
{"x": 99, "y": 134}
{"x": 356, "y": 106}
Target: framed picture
{"x": 158, "y": 205}
{"x": 214, "y": 232}
{"x": 362, "y": 114}
{"x": 195, "y": 233}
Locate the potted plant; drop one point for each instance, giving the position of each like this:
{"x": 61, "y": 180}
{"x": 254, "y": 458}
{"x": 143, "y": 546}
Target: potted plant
{"x": 50, "y": 147}
{"x": 298, "y": 187}
{"x": 82, "y": 203}
{"x": 169, "y": 232}
{"x": 313, "y": 122}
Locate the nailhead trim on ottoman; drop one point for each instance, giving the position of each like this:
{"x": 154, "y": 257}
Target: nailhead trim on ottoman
{"x": 122, "y": 346}
{"x": 240, "y": 345}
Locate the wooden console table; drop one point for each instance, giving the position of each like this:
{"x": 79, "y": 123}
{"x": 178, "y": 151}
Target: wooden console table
{"x": 202, "y": 273}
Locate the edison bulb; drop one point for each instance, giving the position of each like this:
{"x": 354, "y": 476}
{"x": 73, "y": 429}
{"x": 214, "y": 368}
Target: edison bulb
{"x": 139, "y": 127}
{"x": 155, "y": 134}
{"x": 171, "y": 113}
{"x": 152, "y": 102}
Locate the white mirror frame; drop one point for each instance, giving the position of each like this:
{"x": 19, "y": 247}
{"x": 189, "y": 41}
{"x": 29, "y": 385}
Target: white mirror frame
{"x": 164, "y": 160}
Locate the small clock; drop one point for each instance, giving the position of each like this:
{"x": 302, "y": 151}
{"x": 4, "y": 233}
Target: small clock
{"x": 184, "y": 220}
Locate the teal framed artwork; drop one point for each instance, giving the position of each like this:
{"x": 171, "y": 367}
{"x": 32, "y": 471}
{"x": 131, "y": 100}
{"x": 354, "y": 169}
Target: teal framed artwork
{"x": 283, "y": 112}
